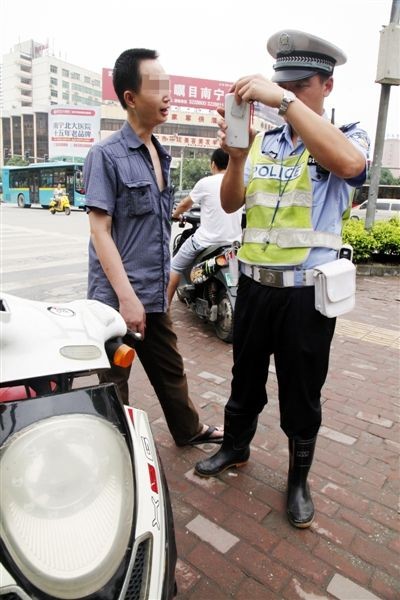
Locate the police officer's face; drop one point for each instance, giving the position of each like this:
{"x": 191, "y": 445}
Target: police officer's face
{"x": 312, "y": 91}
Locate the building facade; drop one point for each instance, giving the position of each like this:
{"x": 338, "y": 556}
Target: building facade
{"x": 33, "y": 82}
{"x": 391, "y": 155}
{"x": 31, "y": 77}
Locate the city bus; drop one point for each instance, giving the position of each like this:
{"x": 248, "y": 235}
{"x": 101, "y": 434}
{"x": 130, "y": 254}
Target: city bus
{"x": 33, "y": 185}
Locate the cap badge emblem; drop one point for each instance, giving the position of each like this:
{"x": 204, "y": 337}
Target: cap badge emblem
{"x": 285, "y": 43}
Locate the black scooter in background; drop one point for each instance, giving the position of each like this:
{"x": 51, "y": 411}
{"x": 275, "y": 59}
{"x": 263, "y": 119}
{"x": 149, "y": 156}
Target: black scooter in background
{"x": 209, "y": 285}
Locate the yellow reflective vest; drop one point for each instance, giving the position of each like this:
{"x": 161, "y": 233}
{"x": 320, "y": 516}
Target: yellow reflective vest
{"x": 279, "y": 229}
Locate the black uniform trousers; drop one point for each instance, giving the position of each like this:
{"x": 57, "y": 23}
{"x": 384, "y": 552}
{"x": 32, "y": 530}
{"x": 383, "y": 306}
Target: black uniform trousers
{"x": 285, "y": 323}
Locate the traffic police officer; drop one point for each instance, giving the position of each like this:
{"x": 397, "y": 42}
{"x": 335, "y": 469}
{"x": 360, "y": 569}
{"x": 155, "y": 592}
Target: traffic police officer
{"x": 297, "y": 183}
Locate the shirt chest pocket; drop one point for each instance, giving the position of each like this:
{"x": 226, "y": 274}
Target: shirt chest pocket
{"x": 138, "y": 198}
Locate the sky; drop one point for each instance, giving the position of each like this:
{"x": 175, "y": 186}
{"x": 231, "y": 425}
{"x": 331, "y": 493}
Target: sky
{"x": 214, "y": 39}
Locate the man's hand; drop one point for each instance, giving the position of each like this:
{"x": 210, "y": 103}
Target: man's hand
{"x": 234, "y": 153}
{"x": 134, "y": 315}
{"x": 180, "y": 219}
{"x": 257, "y": 88}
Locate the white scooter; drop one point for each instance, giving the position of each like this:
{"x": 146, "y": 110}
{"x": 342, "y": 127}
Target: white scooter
{"x": 85, "y": 510}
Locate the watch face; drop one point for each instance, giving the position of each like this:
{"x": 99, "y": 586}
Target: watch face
{"x": 287, "y": 98}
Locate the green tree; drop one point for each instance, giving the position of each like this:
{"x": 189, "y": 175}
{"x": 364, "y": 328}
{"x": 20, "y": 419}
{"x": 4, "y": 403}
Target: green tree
{"x": 386, "y": 177}
{"x": 17, "y": 161}
{"x": 193, "y": 169}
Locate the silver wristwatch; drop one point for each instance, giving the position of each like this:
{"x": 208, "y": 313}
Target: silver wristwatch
{"x": 287, "y": 98}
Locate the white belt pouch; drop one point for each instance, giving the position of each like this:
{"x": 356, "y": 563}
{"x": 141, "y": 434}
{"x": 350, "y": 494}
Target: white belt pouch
{"x": 335, "y": 287}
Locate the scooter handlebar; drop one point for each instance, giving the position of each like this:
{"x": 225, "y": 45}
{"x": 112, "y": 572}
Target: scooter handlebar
{"x": 192, "y": 217}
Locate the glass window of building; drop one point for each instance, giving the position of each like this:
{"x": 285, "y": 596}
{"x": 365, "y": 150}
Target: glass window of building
{"x": 111, "y": 124}
{"x": 6, "y": 134}
{"x": 53, "y": 69}
{"x": 42, "y": 134}
{"x": 17, "y": 135}
{"x": 28, "y": 136}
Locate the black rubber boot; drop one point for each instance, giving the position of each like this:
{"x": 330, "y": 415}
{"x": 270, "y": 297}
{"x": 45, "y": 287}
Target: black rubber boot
{"x": 239, "y": 430}
{"x": 300, "y": 507}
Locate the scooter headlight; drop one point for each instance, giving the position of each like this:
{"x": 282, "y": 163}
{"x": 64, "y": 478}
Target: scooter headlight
{"x": 67, "y": 496}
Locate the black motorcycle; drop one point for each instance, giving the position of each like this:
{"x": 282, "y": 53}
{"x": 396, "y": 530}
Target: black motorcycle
{"x": 209, "y": 285}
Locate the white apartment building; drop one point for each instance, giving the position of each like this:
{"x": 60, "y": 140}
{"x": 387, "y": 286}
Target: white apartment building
{"x": 391, "y": 155}
{"x": 1, "y": 86}
{"x": 31, "y": 77}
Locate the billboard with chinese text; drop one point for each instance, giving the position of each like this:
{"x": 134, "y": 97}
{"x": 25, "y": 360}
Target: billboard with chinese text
{"x": 72, "y": 131}
{"x": 189, "y": 92}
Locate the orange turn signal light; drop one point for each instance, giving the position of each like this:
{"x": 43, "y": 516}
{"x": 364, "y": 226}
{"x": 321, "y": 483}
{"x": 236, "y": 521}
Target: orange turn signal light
{"x": 124, "y": 356}
{"x": 221, "y": 260}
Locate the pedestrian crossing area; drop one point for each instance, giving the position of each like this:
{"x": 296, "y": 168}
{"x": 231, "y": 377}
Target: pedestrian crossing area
{"x": 43, "y": 265}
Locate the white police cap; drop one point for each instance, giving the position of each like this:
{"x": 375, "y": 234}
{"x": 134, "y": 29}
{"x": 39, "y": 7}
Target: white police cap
{"x": 300, "y": 55}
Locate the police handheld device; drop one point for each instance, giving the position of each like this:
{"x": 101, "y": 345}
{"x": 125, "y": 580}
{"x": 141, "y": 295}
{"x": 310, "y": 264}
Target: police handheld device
{"x": 237, "y": 118}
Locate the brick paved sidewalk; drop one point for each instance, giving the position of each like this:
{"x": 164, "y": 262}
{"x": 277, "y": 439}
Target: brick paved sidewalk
{"x": 233, "y": 537}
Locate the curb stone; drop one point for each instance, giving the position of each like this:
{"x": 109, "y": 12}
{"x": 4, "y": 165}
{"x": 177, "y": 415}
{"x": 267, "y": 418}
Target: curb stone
{"x": 377, "y": 269}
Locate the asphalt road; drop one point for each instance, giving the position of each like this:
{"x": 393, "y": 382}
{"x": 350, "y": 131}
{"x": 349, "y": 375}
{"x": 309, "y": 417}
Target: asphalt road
{"x": 44, "y": 256}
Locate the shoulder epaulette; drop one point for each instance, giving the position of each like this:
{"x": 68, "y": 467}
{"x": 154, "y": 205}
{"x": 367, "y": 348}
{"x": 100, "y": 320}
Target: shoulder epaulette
{"x": 345, "y": 128}
{"x": 273, "y": 131}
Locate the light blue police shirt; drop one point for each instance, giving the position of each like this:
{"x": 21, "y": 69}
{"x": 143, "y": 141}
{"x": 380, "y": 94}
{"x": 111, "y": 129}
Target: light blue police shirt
{"x": 330, "y": 193}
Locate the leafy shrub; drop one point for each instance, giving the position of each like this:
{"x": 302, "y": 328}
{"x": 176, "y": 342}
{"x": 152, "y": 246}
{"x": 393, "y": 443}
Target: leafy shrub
{"x": 360, "y": 239}
{"x": 380, "y": 243}
{"x": 387, "y": 237}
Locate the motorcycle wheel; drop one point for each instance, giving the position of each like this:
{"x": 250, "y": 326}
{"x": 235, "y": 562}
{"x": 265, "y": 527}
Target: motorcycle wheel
{"x": 67, "y": 210}
{"x": 224, "y": 324}
{"x": 53, "y": 211}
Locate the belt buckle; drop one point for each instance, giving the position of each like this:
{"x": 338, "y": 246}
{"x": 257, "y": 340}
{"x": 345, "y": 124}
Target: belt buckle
{"x": 271, "y": 277}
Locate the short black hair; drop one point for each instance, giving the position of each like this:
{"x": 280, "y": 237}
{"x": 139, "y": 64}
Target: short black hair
{"x": 126, "y": 72}
{"x": 220, "y": 158}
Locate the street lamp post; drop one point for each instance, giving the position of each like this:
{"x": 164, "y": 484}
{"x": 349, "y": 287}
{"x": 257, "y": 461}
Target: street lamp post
{"x": 181, "y": 171}
{"x": 388, "y": 74}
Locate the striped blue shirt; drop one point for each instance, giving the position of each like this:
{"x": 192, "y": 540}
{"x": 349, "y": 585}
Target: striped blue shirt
{"x": 120, "y": 179}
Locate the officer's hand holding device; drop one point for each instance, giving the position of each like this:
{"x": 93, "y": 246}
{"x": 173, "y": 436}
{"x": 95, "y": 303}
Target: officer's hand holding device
{"x": 237, "y": 119}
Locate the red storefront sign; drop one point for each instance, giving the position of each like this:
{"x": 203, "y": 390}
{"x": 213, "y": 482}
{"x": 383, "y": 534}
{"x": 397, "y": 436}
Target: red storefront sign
{"x": 187, "y": 92}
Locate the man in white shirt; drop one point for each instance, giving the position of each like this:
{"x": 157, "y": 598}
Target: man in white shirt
{"x": 215, "y": 224}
